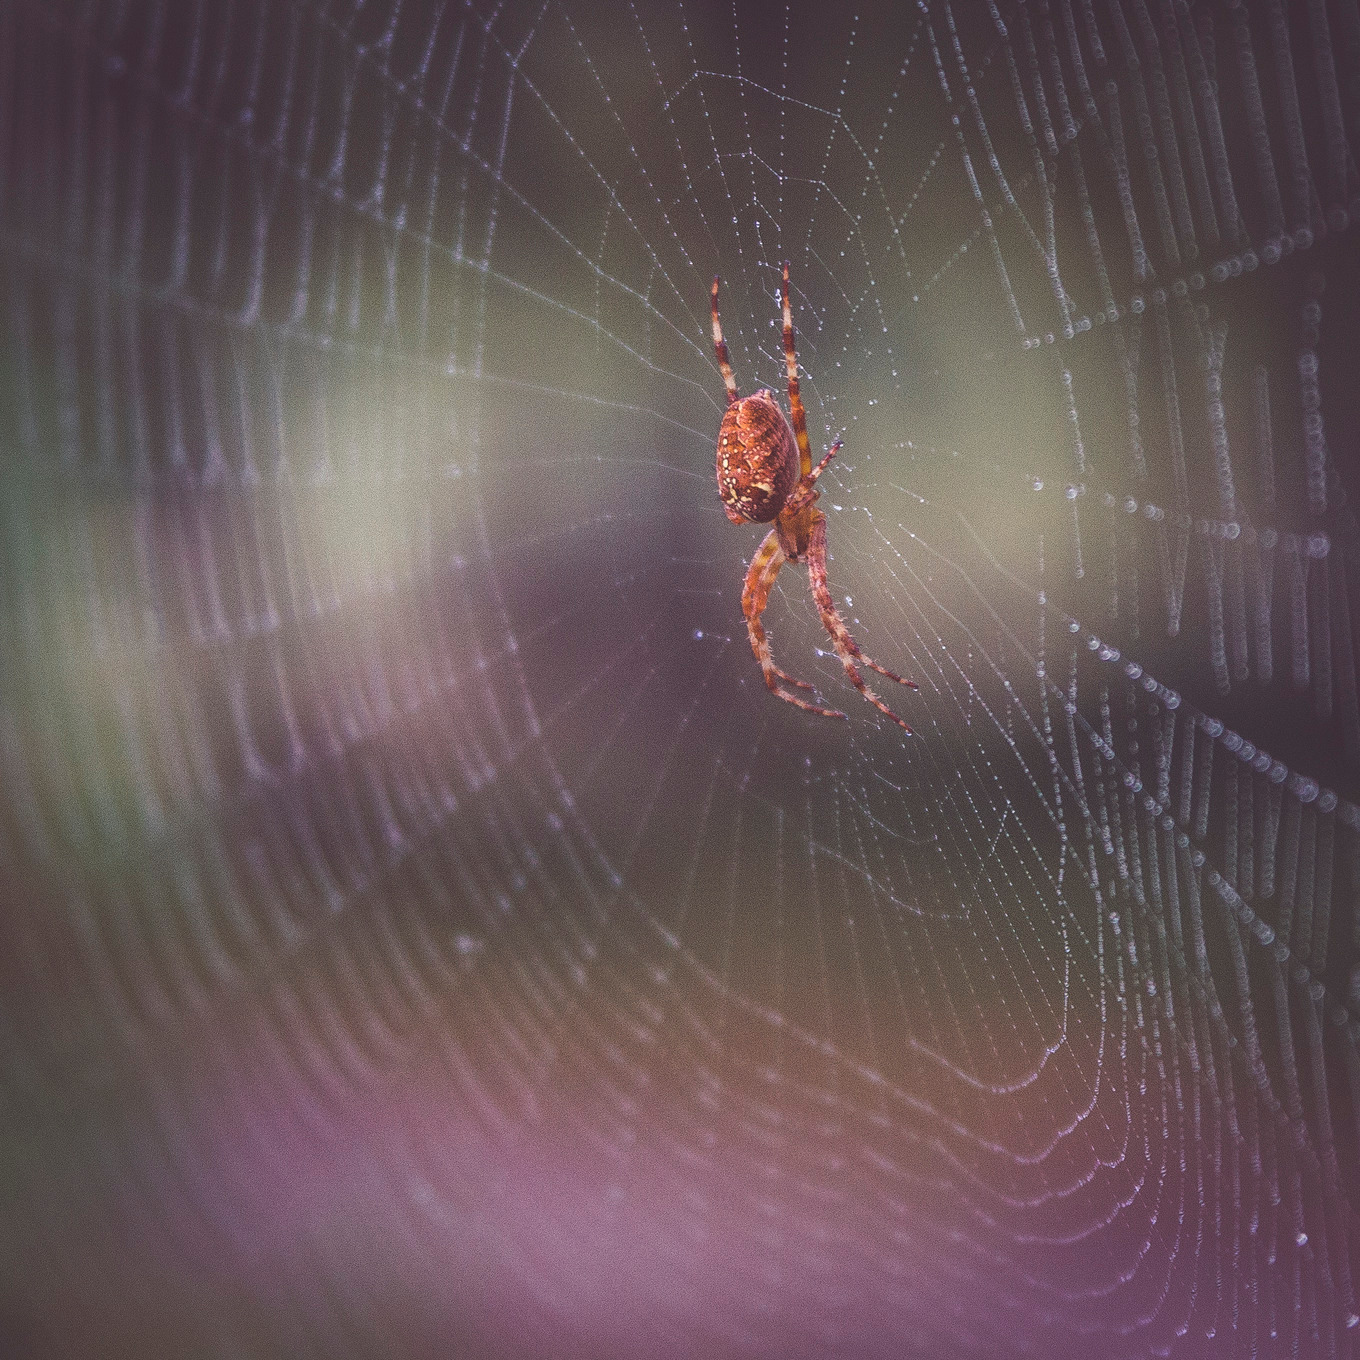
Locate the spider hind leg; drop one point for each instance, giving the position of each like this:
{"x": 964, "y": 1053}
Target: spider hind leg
{"x": 846, "y": 646}
{"x": 760, "y": 578}
{"x": 720, "y": 349}
{"x": 791, "y": 367}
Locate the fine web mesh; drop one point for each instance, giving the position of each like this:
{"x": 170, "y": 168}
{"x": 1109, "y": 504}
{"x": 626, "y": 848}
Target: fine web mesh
{"x": 424, "y": 934}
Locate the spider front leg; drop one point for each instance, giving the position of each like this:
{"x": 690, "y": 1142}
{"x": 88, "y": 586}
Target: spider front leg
{"x": 755, "y": 594}
{"x": 846, "y": 647}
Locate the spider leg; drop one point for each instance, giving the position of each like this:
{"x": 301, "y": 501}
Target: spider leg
{"x": 795, "y": 400}
{"x": 830, "y": 454}
{"x": 720, "y": 348}
{"x": 805, "y": 492}
{"x": 846, "y": 647}
{"x": 755, "y": 594}
{"x": 760, "y": 580}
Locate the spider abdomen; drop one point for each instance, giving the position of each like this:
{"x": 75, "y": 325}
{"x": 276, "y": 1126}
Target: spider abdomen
{"x": 757, "y": 459}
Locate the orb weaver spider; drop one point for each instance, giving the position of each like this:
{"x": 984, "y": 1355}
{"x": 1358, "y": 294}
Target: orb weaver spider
{"x": 762, "y": 476}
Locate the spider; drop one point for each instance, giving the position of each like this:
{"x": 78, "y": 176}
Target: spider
{"x": 763, "y": 477}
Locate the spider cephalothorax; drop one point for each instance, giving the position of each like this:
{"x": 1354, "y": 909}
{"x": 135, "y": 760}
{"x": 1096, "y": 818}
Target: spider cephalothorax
{"x": 765, "y": 473}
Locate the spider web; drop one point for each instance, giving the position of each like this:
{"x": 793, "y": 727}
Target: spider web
{"x": 424, "y": 934}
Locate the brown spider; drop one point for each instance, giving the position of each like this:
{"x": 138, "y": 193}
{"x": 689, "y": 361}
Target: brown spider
{"x": 763, "y": 477}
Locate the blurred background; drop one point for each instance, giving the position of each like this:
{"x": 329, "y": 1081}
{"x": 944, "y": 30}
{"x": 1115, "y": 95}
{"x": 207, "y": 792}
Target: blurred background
{"x": 423, "y": 934}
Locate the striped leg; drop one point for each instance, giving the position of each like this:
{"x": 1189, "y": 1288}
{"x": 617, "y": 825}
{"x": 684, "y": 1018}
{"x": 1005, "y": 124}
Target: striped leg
{"x": 760, "y": 577}
{"x": 720, "y": 349}
{"x": 795, "y": 400}
{"x": 846, "y": 647}
{"x": 806, "y": 490}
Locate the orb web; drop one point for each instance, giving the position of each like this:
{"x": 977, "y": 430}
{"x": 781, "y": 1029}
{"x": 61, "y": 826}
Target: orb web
{"x": 426, "y": 932}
